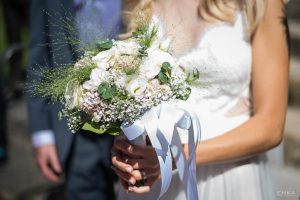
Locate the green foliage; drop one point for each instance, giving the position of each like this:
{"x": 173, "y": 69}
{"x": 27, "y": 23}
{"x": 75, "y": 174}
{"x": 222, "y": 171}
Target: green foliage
{"x": 186, "y": 95}
{"x": 103, "y": 45}
{"x": 53, "y": 82}
{"x": 107, "y": 91}
{"x": 96, "y": 128}
{"x": 93, "y": 127}
{"x": 143, "y": 52}
{"x": 192, "y": 77}
{"x": 140, "y": 31}
{"x": 145, "y": 36}
{"x": 164, "y": 75}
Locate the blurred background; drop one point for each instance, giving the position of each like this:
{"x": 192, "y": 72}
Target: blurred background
{"x": 20, "y": 179}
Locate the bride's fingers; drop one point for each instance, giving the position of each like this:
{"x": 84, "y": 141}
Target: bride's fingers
{"x": 148, "y": 174}
{"x": 132, "y": 150}
{"x": 128, "y": 178}
{"x": 142, "y": 163}
{"x": 119, "y": 164}
{"x": 139, "y": 190}
{"x": 142, "y": 189}
{"x": 126, "y": 148}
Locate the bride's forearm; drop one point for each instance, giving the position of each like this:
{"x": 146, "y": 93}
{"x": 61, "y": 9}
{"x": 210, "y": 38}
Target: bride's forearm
{"x": 270, "y": 75}
{"x": 255, "y": 136}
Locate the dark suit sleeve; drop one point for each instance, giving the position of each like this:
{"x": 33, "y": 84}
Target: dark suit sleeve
{"x": 39, "y": 58}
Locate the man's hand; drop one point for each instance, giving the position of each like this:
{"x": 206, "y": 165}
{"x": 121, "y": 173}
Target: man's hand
{"x": 47, "y": 160}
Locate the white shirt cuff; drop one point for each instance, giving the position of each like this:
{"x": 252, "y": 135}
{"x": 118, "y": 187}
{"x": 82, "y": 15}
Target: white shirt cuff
{"x": 43, "y": 137}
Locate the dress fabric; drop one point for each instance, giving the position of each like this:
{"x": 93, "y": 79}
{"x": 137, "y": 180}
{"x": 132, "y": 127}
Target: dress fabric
{"x": 221, "y": 99}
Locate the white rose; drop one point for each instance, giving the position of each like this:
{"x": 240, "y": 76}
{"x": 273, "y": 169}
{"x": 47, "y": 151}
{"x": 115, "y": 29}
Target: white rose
{"x": 97, "y": 76}
{"x": 137, "y": 86}
{"x": 102, "y": 58}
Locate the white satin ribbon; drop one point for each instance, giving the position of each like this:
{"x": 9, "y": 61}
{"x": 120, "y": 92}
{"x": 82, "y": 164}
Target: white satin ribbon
{"x": 161, "y": 124}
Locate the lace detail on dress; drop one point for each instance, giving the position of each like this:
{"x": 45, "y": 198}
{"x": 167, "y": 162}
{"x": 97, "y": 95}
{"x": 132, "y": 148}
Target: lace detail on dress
{"x": 223, "y": 57}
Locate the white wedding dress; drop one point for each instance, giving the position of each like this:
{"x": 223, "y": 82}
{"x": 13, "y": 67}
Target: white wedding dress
{"x": 221, "y": 99}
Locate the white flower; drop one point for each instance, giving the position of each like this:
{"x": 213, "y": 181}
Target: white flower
{"x": 165, "y": 44}
{"x": 97, "y": 76}
{"x": 73, "y": 95}
{"x": 107, "y": 58}
{"x": 121, "y": 80}
{"x": 102, "y": 58}
{"x": 137, "y": 86}
{"x": 152, "y": 64}
{"x": 96, "y": 117}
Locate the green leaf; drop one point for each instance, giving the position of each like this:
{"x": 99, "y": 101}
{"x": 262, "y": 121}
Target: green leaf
{"x": 185, "y": 97}
{"x": 191, "y": 77}
{"x": 107, "y": 91}
{"x": 103, "y": 45}
{"x": 163, "y": 78}
{"x": 115, "y": 131}
{"x": 166, "y": 66}
{"x": 196, "y": 74}
{"x": 93, "y": 127}
{"x": 164, "y": 75}
{"x": 166, "y": 69}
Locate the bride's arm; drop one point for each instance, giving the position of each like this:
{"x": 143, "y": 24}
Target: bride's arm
{"x": 269, "y": 95}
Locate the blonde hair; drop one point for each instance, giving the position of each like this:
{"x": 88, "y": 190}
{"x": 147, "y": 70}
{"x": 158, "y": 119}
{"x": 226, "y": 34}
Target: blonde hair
{"x": 208, "y": 9}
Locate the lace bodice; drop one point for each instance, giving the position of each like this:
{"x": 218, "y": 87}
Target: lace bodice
{"x": 221, "y": 97}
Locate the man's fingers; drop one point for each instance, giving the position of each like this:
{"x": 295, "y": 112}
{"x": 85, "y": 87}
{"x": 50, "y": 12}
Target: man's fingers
{"x": 55, "y": 164}
{"x": 46, "y": 170}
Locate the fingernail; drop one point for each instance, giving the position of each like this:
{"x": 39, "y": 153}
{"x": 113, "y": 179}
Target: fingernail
{"x": 131, "y": 181}
{"x": 130, "y": 189}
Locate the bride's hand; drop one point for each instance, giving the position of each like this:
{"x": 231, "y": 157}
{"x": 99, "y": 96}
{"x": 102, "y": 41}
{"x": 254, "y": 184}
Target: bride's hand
{"x": 136, "y": 165}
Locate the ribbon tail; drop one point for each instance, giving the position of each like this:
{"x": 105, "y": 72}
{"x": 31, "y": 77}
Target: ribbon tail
{"x": 162, "y": 150}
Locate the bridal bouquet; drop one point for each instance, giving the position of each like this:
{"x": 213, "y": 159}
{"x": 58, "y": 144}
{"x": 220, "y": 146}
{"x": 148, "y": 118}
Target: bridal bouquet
{"x": 128, "y": 86}
{"x": 116, "y": 82}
